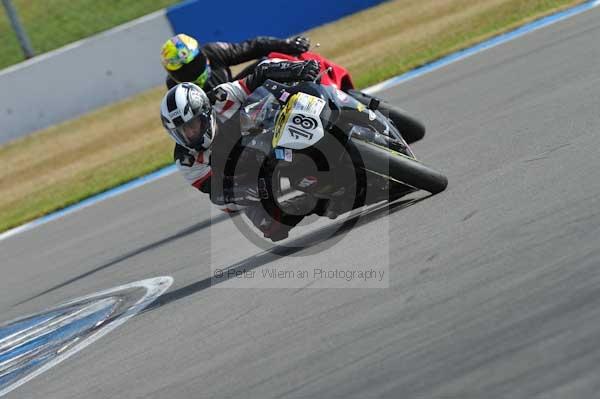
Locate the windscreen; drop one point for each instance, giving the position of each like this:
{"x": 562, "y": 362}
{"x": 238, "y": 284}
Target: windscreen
{"x": 259, "y": 112}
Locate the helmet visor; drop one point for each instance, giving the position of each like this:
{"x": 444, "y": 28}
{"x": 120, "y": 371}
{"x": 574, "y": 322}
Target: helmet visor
{"x": 194, "y": 132}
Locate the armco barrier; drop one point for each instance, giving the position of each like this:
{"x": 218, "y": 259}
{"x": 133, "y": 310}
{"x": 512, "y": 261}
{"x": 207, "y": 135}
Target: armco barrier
{"x": 240, "y": 20}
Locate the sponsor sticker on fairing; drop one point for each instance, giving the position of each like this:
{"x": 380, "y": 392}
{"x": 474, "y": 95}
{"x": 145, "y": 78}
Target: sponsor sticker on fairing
{"x": 342, "y": 96}
{"x": 284, "y": 96}
{"x": 288, "y": 155}
{"x": 309, "y": 104}
{"x": 279, "y": 154}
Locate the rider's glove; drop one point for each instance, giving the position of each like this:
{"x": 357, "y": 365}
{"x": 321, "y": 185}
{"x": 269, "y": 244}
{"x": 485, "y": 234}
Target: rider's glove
{"x": 310, "y": 70}
{"x": 295, "y": 45}
{"x": 283, "y": 72}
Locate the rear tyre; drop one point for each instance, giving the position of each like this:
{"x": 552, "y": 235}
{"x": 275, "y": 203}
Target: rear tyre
{"x": 401, "y": 168}
{"x": 411, "y": 128}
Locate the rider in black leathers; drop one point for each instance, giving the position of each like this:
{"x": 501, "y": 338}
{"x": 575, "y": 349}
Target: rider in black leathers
{"x": 185, "y": 61}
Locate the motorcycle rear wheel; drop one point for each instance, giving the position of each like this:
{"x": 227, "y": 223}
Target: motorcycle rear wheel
{"x": 411, "y": 128}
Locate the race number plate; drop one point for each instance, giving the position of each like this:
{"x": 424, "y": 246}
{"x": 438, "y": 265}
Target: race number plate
{"x": 299, "y": 124}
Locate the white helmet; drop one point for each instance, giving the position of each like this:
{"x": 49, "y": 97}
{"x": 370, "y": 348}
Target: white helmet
{"x": 187, "y": 115}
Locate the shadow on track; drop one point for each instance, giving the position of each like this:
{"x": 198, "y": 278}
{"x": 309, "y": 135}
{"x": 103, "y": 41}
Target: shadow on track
{"x": 183, "y": 233}
{"x": 320, "y": 236}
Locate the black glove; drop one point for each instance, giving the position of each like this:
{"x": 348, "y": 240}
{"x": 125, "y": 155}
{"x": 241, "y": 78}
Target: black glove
{"x": 310, "y": 71}
{"x": 283, "y": 72}
{"x": 295, "y": 45}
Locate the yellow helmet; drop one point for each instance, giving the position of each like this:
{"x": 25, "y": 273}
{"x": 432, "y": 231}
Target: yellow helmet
{"x": 179, "y": 50}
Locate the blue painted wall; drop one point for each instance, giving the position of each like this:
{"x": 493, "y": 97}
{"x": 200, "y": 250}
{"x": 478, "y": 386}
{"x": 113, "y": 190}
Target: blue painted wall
{"x": 237, "y": 20}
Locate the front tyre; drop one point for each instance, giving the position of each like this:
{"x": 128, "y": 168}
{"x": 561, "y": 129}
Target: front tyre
{"x": 400, "y": 168}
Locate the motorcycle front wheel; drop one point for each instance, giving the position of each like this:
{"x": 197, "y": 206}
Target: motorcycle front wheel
{"x": 398, "y": 167}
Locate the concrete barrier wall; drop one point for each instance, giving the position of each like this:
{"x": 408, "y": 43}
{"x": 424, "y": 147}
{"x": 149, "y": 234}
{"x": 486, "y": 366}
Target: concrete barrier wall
{"x": 80, "y": 77}
{"x": 240, "y": 20}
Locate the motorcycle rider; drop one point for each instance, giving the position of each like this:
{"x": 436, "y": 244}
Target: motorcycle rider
{"x": 209, "y": 66}
{"x": 193, "y": 118}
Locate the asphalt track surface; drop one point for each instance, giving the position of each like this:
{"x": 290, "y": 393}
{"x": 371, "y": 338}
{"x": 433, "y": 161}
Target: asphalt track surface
{"x": 494, "y": 285}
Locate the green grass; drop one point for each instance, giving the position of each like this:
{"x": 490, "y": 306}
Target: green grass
{"x": 86, "y": 183}
{"x": 98, "y": 151}
{"x": 53, "y": 23}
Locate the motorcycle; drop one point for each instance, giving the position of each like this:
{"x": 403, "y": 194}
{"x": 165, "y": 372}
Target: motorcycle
{"x": 319, "y": 141}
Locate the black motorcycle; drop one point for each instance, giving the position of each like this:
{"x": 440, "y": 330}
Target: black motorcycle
{"x": 314, "y": 149}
